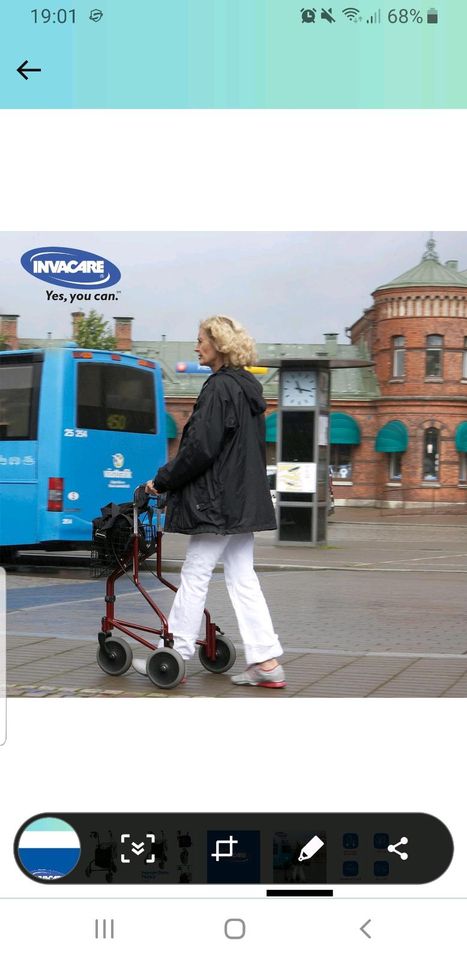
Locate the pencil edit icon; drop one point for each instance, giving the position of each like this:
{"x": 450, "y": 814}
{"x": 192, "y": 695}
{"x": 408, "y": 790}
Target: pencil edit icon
{"x": 310, "y": 848}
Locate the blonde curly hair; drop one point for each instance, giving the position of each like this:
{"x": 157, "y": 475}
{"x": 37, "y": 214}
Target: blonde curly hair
{"x": 230, "y": 339}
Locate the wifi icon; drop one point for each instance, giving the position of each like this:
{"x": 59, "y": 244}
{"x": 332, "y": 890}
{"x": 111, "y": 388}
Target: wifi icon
{"x": 351, "y": 13}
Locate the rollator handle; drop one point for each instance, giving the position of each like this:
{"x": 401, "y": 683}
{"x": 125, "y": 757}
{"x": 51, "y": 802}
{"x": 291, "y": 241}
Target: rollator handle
{"x": 141, "y": 498}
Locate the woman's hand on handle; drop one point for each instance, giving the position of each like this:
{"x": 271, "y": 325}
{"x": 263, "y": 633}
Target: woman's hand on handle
{"x": 150, "y": 489}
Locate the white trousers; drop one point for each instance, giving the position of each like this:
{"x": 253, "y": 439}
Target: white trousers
{"x": 254, "y": 621}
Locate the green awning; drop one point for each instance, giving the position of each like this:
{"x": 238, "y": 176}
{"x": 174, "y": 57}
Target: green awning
{"x": 344, "y": 429}
{"x": 271, "y": 428}
{"x": 392, "y": 438}
{"x": 171, "y": 427}
{"x": 461, "y": 437}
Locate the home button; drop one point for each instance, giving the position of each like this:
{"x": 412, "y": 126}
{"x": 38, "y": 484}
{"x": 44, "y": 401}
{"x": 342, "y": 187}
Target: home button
{"x": 234, "y": 929}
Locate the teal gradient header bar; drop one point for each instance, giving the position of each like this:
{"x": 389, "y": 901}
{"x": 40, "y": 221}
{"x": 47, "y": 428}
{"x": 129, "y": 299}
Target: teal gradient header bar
{"x": 234, "y": 54}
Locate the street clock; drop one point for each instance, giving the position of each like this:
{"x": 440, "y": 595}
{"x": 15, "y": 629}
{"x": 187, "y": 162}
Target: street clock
{"x": 298, "y": 388}
{"x": 302, "y": 450}
{"x": 302, "y": 444}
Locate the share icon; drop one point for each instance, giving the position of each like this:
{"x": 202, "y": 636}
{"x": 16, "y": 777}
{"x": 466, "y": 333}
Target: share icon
{"x": 393, "y": 848}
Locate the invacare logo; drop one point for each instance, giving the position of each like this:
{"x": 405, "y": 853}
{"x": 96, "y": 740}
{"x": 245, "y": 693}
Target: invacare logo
{"x": 66, "y": 267}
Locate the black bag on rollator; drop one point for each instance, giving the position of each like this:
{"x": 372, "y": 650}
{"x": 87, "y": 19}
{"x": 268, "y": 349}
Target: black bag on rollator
{"x": 112, "y": 534}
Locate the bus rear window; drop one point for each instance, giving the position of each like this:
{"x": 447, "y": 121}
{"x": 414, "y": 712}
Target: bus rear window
{"x": 19, "y": 398}
{"x": 112, "y": 397}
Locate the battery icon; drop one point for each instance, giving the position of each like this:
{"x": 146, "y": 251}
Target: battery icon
{"x": 432, "y": 16}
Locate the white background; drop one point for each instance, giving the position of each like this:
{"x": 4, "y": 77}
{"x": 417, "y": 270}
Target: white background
{"x": 234, "y": 170}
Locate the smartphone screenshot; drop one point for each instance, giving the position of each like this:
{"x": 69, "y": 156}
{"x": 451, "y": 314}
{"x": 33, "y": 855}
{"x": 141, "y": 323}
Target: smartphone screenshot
{"x": 233, "y": 478}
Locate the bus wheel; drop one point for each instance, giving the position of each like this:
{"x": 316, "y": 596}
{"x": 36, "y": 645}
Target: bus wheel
{"x": 165, "y": 668}
{"x": 226, "y": 656}
{"x": 114, "y": 657}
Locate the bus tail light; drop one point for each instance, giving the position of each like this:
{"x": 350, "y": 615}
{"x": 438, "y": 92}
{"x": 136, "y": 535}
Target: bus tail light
{"x": 55, "y": 494}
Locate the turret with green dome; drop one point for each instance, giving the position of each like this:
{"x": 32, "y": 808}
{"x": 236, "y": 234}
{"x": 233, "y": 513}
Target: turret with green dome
{"x": 430, "y": 272}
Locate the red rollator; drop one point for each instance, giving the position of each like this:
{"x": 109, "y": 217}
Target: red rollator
{"x": 124, "y": 538}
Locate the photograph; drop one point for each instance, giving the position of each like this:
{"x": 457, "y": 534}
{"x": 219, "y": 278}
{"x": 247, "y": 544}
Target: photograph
{"x": 194, "y": 504}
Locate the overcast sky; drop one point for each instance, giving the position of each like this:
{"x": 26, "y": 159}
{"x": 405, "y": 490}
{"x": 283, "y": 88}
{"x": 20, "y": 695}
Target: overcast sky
{"x": 290, "y": 287}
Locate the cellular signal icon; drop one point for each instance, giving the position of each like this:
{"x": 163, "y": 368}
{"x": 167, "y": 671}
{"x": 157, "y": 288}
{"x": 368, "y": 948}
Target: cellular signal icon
{"x": 375, "y": 17}
{"x": 351, "y": 13}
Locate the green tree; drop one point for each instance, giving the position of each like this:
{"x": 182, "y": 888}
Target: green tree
{"x": 4, "y": 345}
{"x": 92, "y": 333}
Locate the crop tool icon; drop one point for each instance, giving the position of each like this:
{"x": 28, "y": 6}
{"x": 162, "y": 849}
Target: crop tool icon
{"x": 229, "y": 844}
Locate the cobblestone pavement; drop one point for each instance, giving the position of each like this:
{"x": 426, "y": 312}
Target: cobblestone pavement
{"x": 380, "y": 612}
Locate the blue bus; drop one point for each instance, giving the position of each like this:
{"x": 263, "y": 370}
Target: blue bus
{"x": 78, "y": 428}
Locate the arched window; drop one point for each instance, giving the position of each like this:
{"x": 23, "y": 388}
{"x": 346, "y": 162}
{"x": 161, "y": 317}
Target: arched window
{"x": 464, "y": 360}
{"x": 431, "y": 454}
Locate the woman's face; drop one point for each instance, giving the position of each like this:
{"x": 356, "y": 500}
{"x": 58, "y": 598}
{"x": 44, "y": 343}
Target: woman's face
{"x": 208, "y": 356}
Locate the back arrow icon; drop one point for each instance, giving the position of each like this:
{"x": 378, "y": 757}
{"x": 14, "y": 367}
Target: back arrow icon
{"x": 362, "y": 928}
{"x": 24, "y": 70}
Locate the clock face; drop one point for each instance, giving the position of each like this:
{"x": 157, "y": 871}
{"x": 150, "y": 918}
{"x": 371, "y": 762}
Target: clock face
{"x": 298, "y": 388}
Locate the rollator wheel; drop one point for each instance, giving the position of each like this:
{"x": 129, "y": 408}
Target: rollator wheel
{"x": 226, "y": 656}
{"x": 165, "y": 668}
{"x": 115, "y": 658}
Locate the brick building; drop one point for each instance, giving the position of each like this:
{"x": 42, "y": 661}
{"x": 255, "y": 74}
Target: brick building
{"x": 410, "y": 443}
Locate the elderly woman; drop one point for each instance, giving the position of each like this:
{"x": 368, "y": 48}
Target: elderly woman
{"x": 218, "y": 494}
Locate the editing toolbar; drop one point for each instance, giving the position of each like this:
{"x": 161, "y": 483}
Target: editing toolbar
{"x": 231, "y": 848}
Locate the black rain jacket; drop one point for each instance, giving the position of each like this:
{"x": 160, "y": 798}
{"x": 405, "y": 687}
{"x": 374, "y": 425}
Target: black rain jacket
{"x": 217, "y": 482}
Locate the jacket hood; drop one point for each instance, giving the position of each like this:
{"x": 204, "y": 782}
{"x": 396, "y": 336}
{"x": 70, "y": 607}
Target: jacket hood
{"x": 250, "y": 386}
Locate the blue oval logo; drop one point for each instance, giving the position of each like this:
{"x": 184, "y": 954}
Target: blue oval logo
{"x": 66, "y": 267}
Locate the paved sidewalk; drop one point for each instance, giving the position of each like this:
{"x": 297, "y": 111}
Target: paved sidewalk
{"x": 380, "y": 612}
{"x": 317, "y": 674}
